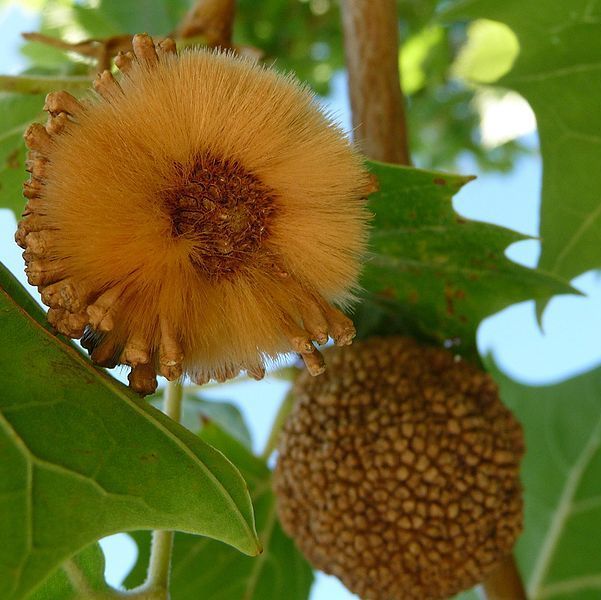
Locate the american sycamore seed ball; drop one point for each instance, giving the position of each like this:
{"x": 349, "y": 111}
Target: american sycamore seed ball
{"x": 199, "y": 214}
{"x": 398, "y": 471}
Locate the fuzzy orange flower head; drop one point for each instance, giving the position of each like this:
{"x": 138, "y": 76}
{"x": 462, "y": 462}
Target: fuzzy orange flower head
{"x": 199, "y": 214}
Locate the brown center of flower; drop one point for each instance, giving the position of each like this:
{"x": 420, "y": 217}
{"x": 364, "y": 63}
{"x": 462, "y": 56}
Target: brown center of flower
{"x": 224, "y": 209}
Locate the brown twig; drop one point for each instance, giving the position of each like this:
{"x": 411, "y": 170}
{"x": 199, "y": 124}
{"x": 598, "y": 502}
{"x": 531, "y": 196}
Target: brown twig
{"x": 102, "y": 51}
{"x": 505, "y": 582}
{"x": 371, "y": 42}
{"x": 212, "y": 19}
{"x": 208, "y": 23}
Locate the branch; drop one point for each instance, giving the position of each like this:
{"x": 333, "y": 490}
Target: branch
{"x": 505, "y": 582}
{"x": 39, "y": 84}
{"x": 208, "y": 23}
{"x": 102, "y": 51}
{"x": 371, "y": 41}
{"x": 213, "y": 19}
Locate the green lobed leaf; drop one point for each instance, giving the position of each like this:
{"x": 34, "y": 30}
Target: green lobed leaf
{"x": 83, "y": 457}
{"x": 206, "y": 569}
{"x": 558, "y": 71}
{"x": 17, "y": 111}
{"x": 433, "y": 274}
{"x": 560, "y": 550}
{"x": 90, "y": 563}
{"x": 488, "y": 53}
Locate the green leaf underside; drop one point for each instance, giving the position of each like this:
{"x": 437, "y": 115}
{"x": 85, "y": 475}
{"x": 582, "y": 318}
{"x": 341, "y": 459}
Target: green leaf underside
{"x": 558, "y": 71}
{"x": 227, "y": 416}
{"x": 203, "y": 568}
{"x": 197, "y": 411}
{"x": 560, "y": 550}
{"x": 90, "y": 563}
{"x": 83, "y": 457}
{"x": 432, "y": 273}
{"x": 17, "y": 111}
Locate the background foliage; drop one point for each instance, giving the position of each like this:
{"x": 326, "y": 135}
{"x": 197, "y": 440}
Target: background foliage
{"x": 71, "y": 433}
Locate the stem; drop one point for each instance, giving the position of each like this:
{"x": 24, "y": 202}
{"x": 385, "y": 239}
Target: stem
{"x": 159, "y": 567}
{"x": 40, "y": 84}
{"x": 162, "y": 541}
{"x": 282, "y": 415}
{"x": 172, "y": 404}
{"x": 505, "y": 582}
{"x": 371, "y": 41}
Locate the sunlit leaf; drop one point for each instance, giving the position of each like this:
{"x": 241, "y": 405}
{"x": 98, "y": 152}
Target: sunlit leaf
{"x": 489, "y": 52}
{"x": 558, "y": 71}
{"x": 413, "y": 54}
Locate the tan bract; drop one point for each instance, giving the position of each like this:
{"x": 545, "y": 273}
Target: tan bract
{"x": 199, "y": 214}
{"x": 398, "y": 471}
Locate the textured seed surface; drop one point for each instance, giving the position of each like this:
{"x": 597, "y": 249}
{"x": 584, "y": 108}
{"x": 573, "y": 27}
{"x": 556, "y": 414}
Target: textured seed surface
{"x": 225, "y": 212}
{"x": 398, "y": 471}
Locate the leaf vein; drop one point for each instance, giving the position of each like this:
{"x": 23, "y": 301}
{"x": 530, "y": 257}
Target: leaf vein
{"x": 563, "y": 512}
{"x": 570, "y": 586}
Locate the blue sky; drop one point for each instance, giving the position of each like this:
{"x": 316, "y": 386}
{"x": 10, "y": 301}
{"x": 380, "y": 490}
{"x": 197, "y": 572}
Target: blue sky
{"x": 572, "y": 328}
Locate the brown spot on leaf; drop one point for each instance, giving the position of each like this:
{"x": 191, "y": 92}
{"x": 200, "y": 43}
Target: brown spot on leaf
{"x": 150, "y": 457}
{"x": 388, "y": 293}
{"x": 451, "y": 294}
{"x": 12, "y": 160}
{"x": 372, "y": 186}
{"x": 440, "y": 181}
{"x": 413, "y": 297}
{"x": 448, "y": 296}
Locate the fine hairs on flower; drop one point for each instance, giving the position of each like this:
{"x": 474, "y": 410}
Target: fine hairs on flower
{"x": 198, "y": 215}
